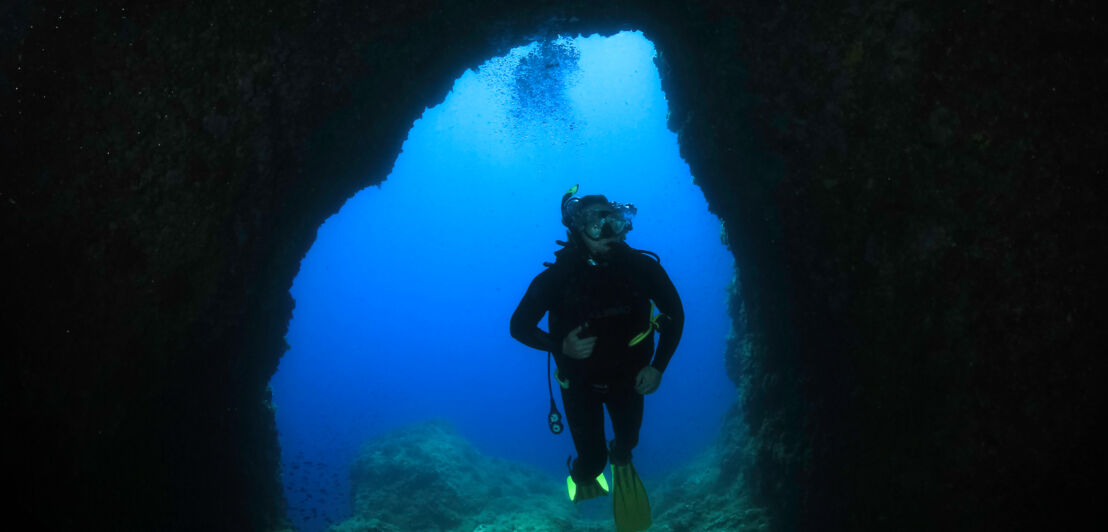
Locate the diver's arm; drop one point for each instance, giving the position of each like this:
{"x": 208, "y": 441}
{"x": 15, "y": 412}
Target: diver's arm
{"x": 668, "y": 302}
{"x": 525, "y": 320}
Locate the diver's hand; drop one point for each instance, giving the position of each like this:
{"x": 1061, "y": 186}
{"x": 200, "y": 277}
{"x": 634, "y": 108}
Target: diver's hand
{"x": 576, "y": 347}
{"x": 648, "y": 380}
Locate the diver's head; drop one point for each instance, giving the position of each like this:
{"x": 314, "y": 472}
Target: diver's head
{"x": 597, "y": 223}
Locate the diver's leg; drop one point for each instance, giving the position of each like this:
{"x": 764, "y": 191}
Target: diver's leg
{"x": 585, "y": 416}
{"x": 630, "y": 502}
{"x": 625, "y": 408}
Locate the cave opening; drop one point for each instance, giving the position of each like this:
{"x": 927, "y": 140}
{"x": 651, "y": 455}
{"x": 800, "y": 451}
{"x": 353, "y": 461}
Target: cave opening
{"x": 403, "y": 301}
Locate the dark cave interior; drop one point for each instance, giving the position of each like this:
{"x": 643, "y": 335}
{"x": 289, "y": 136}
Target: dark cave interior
{"x": 910, "y": 191}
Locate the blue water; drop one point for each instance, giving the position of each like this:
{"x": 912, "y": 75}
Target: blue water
{"x": 403, "y": 302}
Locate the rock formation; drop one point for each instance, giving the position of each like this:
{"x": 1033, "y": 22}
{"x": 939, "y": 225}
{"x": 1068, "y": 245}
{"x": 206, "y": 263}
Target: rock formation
{"x": 911, "y": 190}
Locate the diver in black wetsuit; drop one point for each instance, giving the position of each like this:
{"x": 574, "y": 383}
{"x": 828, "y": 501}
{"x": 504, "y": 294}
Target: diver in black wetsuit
{"x": 598, "y": 294}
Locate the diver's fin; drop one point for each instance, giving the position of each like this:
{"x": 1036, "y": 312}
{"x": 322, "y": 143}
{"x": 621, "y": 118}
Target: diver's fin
{"x": 598, "y": 487}
{"x": 630, "y": 505}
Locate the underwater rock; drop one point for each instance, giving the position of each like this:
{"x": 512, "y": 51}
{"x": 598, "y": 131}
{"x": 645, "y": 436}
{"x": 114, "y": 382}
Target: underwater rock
{"x": 428, "y": 477}
{"x": 709, "y": 493}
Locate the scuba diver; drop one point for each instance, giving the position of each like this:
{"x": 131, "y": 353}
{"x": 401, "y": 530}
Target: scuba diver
{"x": 600, "y": 295}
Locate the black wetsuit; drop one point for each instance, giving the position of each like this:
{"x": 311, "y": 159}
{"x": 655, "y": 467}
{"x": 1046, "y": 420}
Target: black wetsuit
{"x": 612, "y": 301}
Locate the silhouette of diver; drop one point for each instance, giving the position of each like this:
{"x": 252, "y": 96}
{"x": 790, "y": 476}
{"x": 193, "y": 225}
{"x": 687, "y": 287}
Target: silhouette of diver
{"x": 600, "y": 295}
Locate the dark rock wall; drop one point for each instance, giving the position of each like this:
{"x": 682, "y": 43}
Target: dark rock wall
{"x": 911, "y": 192}
{"x": 935, "y": 173}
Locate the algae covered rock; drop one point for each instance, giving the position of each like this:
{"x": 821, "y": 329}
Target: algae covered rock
{"x": 709, "y": 493}
{"x": 428, "y": 477}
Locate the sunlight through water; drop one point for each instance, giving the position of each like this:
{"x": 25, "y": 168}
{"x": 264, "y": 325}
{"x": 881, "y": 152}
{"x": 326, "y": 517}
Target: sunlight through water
{"x": 403, "y": 302}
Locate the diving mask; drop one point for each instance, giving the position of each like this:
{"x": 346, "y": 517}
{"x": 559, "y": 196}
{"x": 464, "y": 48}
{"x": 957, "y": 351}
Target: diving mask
{"x": 611, "y": 219}
{"x": 608, "y": 222}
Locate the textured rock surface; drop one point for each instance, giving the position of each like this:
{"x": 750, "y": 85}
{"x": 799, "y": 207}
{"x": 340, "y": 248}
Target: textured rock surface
{"x": 708, "y": 494}
{"x": 911, "y": 191}
{"x": 427, "y": 477}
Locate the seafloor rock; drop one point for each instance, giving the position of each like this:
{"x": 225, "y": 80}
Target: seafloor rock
{"x": 428, "y": 477}
{"x": 708, "y": 493}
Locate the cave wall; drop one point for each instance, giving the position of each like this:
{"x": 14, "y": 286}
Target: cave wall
{"x": 910, "y": 190}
